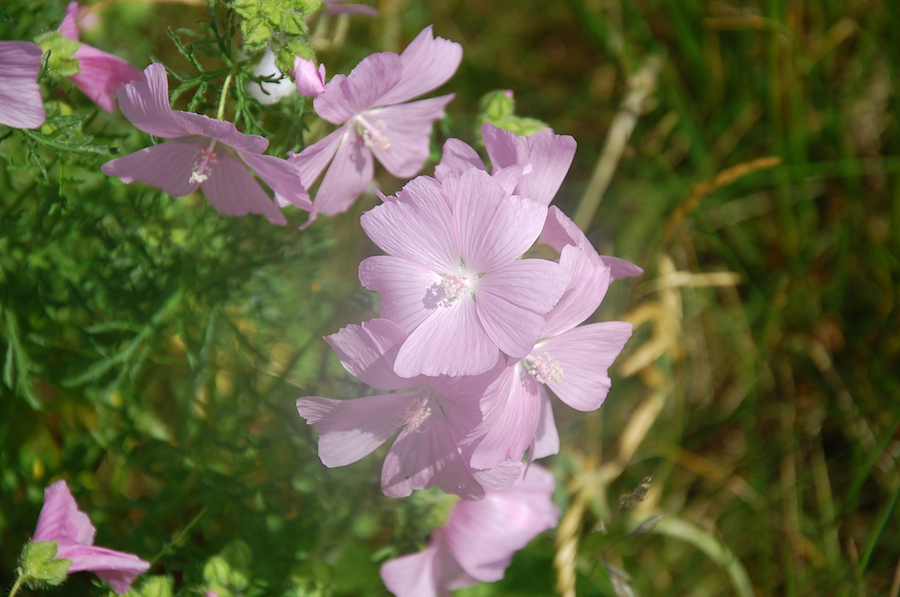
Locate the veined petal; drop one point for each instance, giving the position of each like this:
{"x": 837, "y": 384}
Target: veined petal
{"x": 459, "y": 156}
{"x": 102, "y": 75}
{"x": 406, "y": 289}
{"x": 429, "y": 573}
{"x": 493, "y": 229}
{"x": 69, "y": 25}
{"x": 145, "y": 103}
{"x": 427, "y": 63}
{"x": 368, "y": 352}
{"x": 352, "y": 429}
{"x": 450, "y": 341}
{"x": 511, "y": 328}
{"x": 502, "y": 146}
{"x": 620, "y": 268}
{"x": 116, "y": 568}
{"x": 546, "y": 438}
{"x": 282, "y": 177}
{"x": 21, "y": 105}
{"x": 350, "y": 174}
{"x": 166, "y": 166}
{"x": 345, "y": 97}
{"x": 310, "y": 82}
{"x": 417, "y": 226}
{"x": 221, "y": 130}
{"x": 313, "y": 160}
{"x": 61, "y": 520}
{"x": 585, "y": 354}
{"x": 587, "y": 287}
{"x": 232, "y": 191}
{"x": 408, "y": 129}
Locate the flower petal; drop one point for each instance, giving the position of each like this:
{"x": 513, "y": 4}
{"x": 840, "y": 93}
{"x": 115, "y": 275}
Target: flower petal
{"x": 368, "y": 352}
{"x": 61, "y": 520}
{"x": 310, "y": 82}
{"x": 427, "y": 63}
{"x": 405, "y": 288}
{"x": 69, "y": 25}
{"x": 587, "y": 287}
{"x": 451, "y": 341}
{"x": 408, "y": 129}
{"x": 352, "y": 429}
{"x": 417, "y": 226}
{"x": 546, "y": 438}
{"x": 313, "y": 160}
{"x": 145, "y": 103}
{"x": 585, "y": 354}
{"x": 282, "y": 176}
{"x": 232, "y": 191}
{"x": 429, "y": 573}
{"x": 220, "y": 130}
{"x": 457, "y": 155}
{"x": 102, "y": 75}
{"x": 350, "y": 174}
{"x": 166, "y": 166}
{"x": 345, "y": 97}
{"x": 116, "y": 568}
{"x": 21, "y": 105}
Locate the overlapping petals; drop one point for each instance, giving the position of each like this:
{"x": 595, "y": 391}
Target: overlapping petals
{"x": 204, "y": 153}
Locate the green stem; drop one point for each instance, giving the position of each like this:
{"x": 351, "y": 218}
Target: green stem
{"x": 16, "y": 586}
{"x": 221, "y": 114}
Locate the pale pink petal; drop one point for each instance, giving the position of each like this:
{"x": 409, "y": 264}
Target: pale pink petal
{"x": 413, "y": 575}
{"x": 313, "y": 160}
{"x": 585, "y": 354}
{"x": 282, "y": 176}
{"x": 333, "y": 8}
{"x": 467, "y": 388}
{"x": 145, "y": 103}
{"x": 69, "y": 25}
{"x": 232, "y": 191}
{"x": 60, "y": 518}
{"x": 493, "y": 229}
{"x": 416, "y": 226}
{"x": 500, "y": 477}
{"x": 619, "y": 268}
{"x": 352, "y": 429}
{"x": 503, "y": 146}
{"x": 512, "y": 329}
{"x": 102, "y": 75}
{"x": 426, "y": 456}
{"x": 407, "y": 290}
{"x": 511, "y": 414}
{"x": 546, "y": 438}
{"x": 21, "y": 105}
{"x": 508, "y": 178}
{"x": 407, "y": 128}
{"x": 451, "y": 341}
{"x": 427, "y": 63}
{"x": 483, "y": 536}
{"x": 587, "y": 287}
{"x": 310, "y": 82}
{"x": 368, "y": 352}
{"x": 350, "y": 174}
{"x": 221, "y": 130}
{"x": 166, "y": 166}
{"x": 116, "y": 568}
{"x": 345, "y": 97}
{"x": 459, "y": 156}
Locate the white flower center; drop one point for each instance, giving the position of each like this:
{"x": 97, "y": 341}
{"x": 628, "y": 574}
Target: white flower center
{"x": 202, "y": 166}
{"x": 544, "y": 368}
{"x": 372, "y": 134}
{"x": 415, "y": 413}
{"x": 454, "y": 287}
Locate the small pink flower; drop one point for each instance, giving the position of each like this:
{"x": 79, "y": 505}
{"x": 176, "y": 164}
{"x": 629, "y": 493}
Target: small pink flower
{"x": 21, "y": 105}
{"x": 310, "y": 82}
{"x": 101, "y": 74}
{"x": 369, "y": 106}
{"x": 478, "y": 541}
{"x": 204, "y": 153}
{"x": 61, "y": 521}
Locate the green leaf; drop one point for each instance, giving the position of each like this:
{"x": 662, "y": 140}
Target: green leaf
{"x": 40, "y": 566}
{"x": 61, "y": 62}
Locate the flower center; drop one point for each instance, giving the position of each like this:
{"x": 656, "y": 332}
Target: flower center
{"x": 416, "y": 412}
{"x": 544, "y": 368}
{"x": 202, "y": 166}
{"x": 454, "y": 287}
{"x": 373, "y": 135}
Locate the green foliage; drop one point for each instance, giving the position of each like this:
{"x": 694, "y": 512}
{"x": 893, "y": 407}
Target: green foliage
{"x": 39, "y": 566}
{"x": 60, "y": 51}
{"x": 499, "y": 107}
{"x": 280, "y": 24}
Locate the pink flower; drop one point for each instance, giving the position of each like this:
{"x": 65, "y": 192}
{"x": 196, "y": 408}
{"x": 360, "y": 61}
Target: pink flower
{"x": 101, "y": 74}
{"x": 61, "y": 521}
{"x": 21, "y": 105}
{"x": 369, "y": 105}
{"x": 453, "y": 277}
{"x": 310, "y": 82}
{"x": 434, "y": 415}
{"x": 204, "y": 153}
{"x": 570, "y": 360}
{"x": 545, "y": 156}
{"x": 478, "y": 541}
{"x": 336, "y": 7}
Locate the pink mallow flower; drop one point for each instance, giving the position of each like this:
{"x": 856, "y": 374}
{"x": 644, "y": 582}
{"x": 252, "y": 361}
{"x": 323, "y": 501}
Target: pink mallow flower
{"x": 204, "y": 153}
{"x": 61, "y": 521}
{"x": 369, "y": 106}
{"x": 453, "y": 277}
{"x": 478, "y": 541}
{"x": 570, "y": 359}
{"x": 433, "y": 414}
{"x": 21, "y": 105}
{"x": 101, "y": 74}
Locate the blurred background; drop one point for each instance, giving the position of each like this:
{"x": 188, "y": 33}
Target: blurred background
{"x": 745, "y": 154}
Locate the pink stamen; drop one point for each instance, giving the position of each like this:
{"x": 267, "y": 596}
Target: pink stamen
{"x": 202, "y": 166}
{"x": 373, "y": 135}
{"x": 544, "y": 368}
